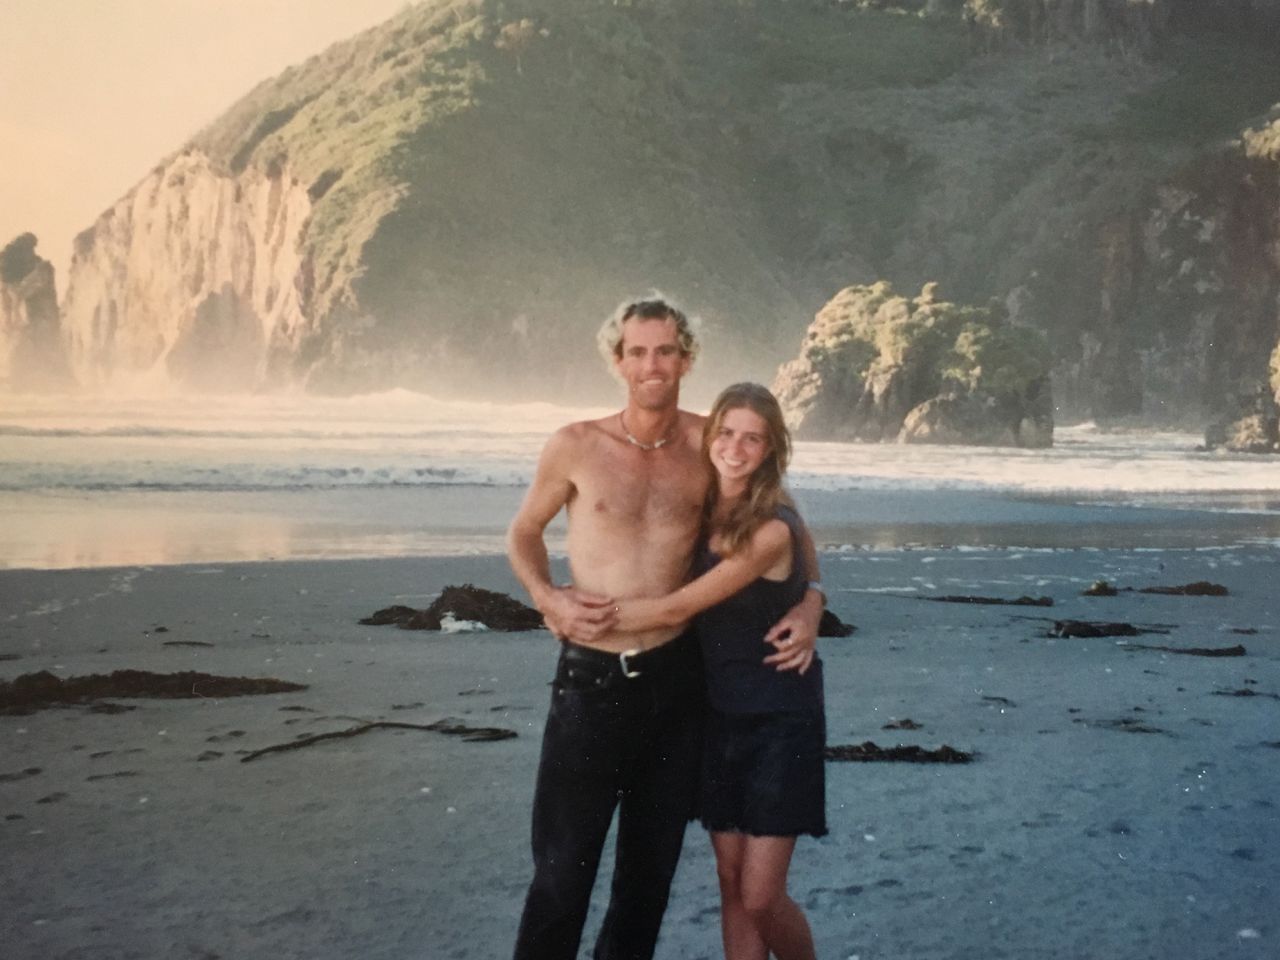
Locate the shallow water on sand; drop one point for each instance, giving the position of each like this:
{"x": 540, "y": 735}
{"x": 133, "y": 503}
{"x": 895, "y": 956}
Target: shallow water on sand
{"x": 112, "y": 481}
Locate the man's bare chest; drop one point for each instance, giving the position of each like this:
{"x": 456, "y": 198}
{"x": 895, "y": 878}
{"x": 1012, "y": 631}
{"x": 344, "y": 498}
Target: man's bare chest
{"x": 662, "y": 494}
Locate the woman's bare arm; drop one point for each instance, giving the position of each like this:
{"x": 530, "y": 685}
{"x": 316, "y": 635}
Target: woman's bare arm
{"x": 769, "y": 544}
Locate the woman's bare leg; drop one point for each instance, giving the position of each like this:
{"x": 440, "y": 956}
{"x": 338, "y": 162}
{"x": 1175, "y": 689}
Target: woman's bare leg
{"x": 741, "y": 939}
{"x": 777, "y": 919}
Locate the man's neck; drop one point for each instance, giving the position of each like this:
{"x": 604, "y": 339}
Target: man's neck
{"x": 649, "y": 427}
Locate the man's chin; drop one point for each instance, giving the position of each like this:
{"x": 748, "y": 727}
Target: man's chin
{"x": 649, "y": 398}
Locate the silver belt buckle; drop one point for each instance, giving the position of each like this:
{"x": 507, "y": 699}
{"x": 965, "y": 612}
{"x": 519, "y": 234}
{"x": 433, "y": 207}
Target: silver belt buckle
{"x": 626, "y": 668}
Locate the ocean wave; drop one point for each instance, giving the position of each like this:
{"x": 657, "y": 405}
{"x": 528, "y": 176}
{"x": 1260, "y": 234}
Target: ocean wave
{"x": 252, "y": 478}
{"x": 404, "y": 439}
{"x": 278, "y": 433}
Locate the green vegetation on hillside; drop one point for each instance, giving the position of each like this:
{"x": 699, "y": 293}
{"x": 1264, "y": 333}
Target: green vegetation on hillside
{"x": 489, "y": 176}
{"x": 1214, "y": 86}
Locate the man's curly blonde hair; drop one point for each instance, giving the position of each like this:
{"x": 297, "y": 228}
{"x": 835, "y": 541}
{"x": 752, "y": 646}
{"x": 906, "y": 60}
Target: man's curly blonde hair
{"x": 654, "y": 307}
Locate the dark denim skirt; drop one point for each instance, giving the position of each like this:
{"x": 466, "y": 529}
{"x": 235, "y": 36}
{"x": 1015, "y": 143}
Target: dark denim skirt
{"x": 764, "y": 774}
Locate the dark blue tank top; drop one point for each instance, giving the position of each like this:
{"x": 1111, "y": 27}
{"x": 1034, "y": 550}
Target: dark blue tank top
{"x": 732, "y": 637}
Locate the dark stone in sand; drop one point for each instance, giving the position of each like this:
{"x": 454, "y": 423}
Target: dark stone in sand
{"x": 1201, "y": 588}
{"x": 906, "y": 723}
{"x": 10, "y": 656}
{"x": 20, "y": 775}
{"x": 1020, "y": 602}
{"x": 833, "y": 626}
{"x": 497, "y": 611}
{"x": 869, "y": 751}
{"x": 1245, "y": 631}
{"x": 1100, "y": 588}
{"x": 398, "y": 614}
{"x": 1092, "y": 628}
{"x": 185, "y": 643}
{"x": 37, "y": 691}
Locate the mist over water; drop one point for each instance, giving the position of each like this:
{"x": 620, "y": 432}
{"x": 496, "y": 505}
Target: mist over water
{"x": 165, "y": 478}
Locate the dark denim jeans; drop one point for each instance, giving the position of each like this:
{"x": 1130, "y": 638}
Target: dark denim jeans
{"x": 633, "y": 743}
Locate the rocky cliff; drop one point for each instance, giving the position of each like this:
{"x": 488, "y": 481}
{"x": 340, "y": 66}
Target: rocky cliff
{"x": 878, "y": 366}
{"x": 1187, "y": 309}
{"x": 31, "y": 356}
{"x": 451, "y": 201}
{"x": 196, "y": 276}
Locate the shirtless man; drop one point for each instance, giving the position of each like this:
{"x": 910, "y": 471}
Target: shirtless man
{"x": 624, "y": 728}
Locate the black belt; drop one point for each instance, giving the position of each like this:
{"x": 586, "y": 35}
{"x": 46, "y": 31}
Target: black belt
{"x": 631, "y": 664}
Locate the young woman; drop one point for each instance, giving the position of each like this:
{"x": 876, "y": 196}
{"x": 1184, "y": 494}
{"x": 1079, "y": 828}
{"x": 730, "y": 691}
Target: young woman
{"x": 763, "y": 778}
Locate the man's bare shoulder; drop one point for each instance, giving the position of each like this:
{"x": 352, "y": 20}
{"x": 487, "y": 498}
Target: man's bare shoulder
{"x": 583, "y": 431}
{"x": 575, "y": 438}
{"x": 691, "y": 425}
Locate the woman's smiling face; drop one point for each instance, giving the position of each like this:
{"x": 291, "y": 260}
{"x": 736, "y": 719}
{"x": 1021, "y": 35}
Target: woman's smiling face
{"x": 739, "y": 446}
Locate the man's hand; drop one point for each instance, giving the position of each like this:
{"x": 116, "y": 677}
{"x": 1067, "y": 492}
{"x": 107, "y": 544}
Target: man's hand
{"x": 795, "y": 636}
{"x": 576, "y": 615}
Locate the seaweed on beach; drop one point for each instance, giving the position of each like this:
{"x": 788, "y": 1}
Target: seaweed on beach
{"x": 451, "y": 728}
{"x": 38, "y": 691}
{"x": 1246, "y": 692}
{"x": 497, "y": 611}
{"x": 833, "y": 626}
{"x": 1123, "y": 724}
{"x": 1237, "y": 651}
{"x": 1098, "y": 628}
{"x": 1201, "y": 588}
{"x": 1019, "y": 602}
{"x": 869, "y": 751}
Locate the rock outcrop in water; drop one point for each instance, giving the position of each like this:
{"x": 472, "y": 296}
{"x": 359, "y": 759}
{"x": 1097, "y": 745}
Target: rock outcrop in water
{"x": 877, "y": 366}
{"x": 31, "y": 356}
{"x": 1255, "y": 430}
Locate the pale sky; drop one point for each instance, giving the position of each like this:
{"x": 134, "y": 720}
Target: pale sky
{"x": 94, "y": 92}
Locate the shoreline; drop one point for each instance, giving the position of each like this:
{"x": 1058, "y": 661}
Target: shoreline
{"x": 49, "y": 531}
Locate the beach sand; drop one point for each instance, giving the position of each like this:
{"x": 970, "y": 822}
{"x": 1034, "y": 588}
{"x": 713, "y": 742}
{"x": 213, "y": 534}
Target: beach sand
{"x": 1119, "y": 806}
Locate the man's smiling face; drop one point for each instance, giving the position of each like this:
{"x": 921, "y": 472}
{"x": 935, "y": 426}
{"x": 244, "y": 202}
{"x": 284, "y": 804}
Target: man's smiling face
{"x": 652, "y": 362}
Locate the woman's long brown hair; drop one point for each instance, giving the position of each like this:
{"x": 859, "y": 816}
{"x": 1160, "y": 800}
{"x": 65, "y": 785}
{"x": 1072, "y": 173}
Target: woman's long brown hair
{"x": 764, "y": 487}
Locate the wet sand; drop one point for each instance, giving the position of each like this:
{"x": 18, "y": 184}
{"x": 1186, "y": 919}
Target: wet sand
{"x": 1121, "y": 803}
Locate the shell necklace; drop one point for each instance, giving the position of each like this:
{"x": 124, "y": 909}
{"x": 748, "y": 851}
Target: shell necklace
{"x": 657, "y": 444}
